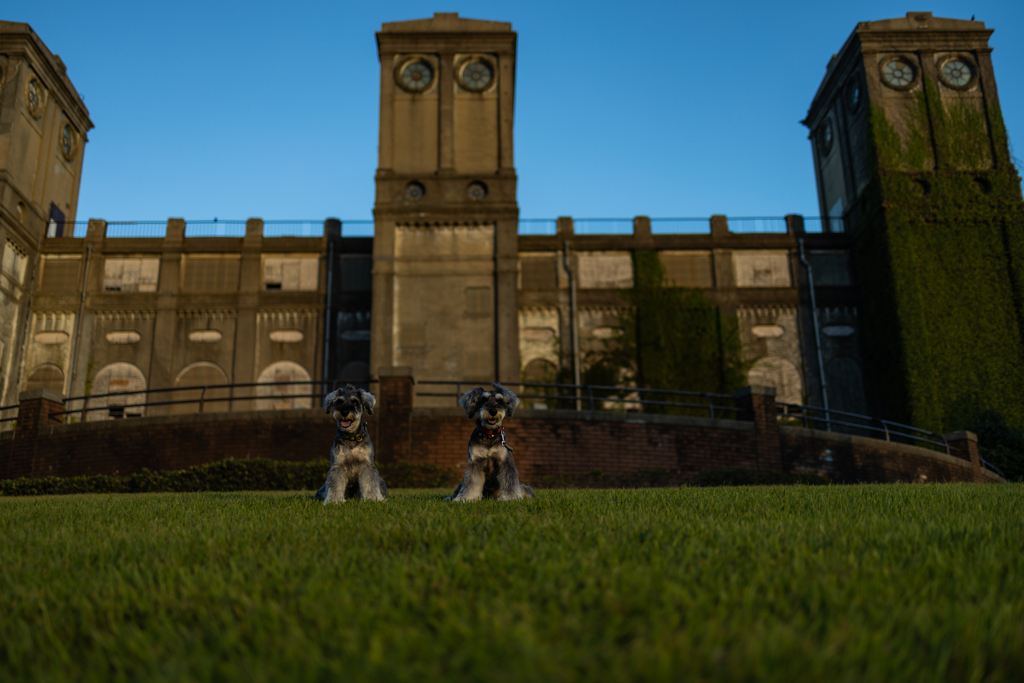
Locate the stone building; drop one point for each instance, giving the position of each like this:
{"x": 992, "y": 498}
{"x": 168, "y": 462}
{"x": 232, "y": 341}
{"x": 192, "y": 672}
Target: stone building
{"x": 453, "y": 284}
{"x": 43, "y": 127}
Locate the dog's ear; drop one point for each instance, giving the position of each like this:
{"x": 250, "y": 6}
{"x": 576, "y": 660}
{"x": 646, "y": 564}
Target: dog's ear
{"x": 511, "y": 400}
{"x": 368, "y": 400}
{"x": 329, "y": 400}
{"x": 470, "y": 401}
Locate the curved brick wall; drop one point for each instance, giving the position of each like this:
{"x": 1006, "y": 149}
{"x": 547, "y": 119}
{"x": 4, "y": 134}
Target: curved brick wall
{"x": 548, "y": 444}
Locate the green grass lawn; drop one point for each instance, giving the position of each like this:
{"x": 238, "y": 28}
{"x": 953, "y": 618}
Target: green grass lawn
{"x": 859, "y": 583}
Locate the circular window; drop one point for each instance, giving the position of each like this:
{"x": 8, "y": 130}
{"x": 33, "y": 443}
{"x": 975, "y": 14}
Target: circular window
{"x": 476, "y": 191}
{"x": 476, "y": 75}
{"x": 898, "y": 73}
{"x": 67, "y": 142}
{"x": 34, "y": 97}
{"x": 414, "y": 192}
{"x": 416, "y": 75}
{"x": 853, "y": 94}
{"x": 825, "y": 136}
{"x": 957, "y": 73}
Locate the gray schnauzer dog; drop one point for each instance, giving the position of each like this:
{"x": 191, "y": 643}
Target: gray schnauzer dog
{"x": 352, "y": 472}
{"x": 491, "y": 471}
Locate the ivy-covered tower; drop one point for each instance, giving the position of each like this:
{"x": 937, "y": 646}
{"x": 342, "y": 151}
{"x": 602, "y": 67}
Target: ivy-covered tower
{"x": 911, "y": 156}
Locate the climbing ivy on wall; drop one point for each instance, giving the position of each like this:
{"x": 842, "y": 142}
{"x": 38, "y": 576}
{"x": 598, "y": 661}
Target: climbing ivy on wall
{"x": 940, "y": 255}
{"x": 673, "y": 338}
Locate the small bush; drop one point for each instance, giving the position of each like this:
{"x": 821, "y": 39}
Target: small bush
{"x": 257, "y": 474}
{"x": 999, "y": 443}
{"x": 739, "y": 476}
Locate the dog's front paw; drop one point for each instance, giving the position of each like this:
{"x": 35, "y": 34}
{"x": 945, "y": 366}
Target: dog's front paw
{"x": 331, "y": 501}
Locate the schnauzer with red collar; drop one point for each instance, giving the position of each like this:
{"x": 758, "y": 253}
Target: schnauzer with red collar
{"x": 491, "y": 471}
{"x": 353, "y": 472}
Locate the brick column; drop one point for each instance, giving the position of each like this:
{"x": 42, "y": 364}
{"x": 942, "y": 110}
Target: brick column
{"x": 34, "y": 408}
{"x": 393, "y": 441}
{"x": 757, "y": 404}
{"x": 964, "y": 445}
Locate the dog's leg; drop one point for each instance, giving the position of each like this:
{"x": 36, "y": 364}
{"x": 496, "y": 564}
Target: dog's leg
{"x": 336, "y": 483}
{"x": 508, "y": 481}
{"x": 370, "y": 484}
{"x": 321, "y": 493}
{"x": 472, "y": 486}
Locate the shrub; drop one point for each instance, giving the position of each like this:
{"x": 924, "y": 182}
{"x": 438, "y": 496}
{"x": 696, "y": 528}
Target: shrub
{"x": 257, "y": 474}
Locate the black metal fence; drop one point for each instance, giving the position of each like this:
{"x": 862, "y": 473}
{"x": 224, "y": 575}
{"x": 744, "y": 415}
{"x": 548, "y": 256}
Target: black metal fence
{"x": 121, "y": 404}
{"x": 593, "y": 397}
{"x": 582, "y": 397}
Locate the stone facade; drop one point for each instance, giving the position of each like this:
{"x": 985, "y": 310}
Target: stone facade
{"x": 448, "y": 286}
{"x": 43, "y": 127}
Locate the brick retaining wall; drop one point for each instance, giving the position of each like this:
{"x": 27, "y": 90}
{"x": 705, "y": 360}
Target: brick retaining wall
{"x": 549, "y": 444}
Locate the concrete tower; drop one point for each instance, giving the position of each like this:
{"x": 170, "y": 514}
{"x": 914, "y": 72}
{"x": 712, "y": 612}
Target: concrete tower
{"x": 910, "y": 151}
{"x": 446, "y": 217}
{"x": 43, "y": 126}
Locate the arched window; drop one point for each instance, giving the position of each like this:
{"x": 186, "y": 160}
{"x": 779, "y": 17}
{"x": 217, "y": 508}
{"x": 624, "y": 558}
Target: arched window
{"x": 289, "y": 381}
{"x": 114, "y": 379}
{"x": 47, "y": 376}
{"x": 772, "y": 371}
{"x": 199, "y": 375}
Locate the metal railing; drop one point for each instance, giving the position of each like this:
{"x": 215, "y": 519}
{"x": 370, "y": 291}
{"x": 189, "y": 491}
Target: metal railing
{"x": 5, "y": 418}
{"x": 680, "y": 226}
{"x": 146, "y": 229}
{"x": 593, "y": 396}
{"x": 296, "y": 228}
{"x": 817, "y": 224}
{"x": 208, "y": 394}
{"x": 813, "y": 417}
{"x": 360, "y": 228}
{"x": 760, "y": 225}
{"x": 603, "y": 226}
{"x": 547, "y": 227}
{"x": 215, "y": 228}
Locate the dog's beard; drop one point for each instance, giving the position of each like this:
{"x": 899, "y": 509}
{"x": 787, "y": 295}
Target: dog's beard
{"x": 490, "y": 423}
{"x": 348, "y": 422}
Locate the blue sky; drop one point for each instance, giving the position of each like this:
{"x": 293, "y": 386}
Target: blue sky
{"x": 211, "y": 109}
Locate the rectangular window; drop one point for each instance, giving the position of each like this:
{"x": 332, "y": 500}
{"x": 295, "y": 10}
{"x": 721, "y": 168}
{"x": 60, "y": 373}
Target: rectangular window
{"x": 761, "y": 268}
{"x": 687, "y": 268}
{"x": 130, "y": 274}
{"x": 538, "y": 273}
{"x": 605, "y": 270}
{"x": 60, "y": 273}
{"x": 831, "y": 268}
{"x": 291, "y": 273}
{"x": 219, "y": 274}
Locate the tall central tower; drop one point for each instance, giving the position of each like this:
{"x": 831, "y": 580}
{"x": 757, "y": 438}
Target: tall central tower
{"x": 445, "y": 236}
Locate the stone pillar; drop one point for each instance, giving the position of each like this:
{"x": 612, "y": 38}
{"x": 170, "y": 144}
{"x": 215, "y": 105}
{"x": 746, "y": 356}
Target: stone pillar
{"x": 393, "y": 441}
{"x": 642, "y": 238}
{"x": 506, "y": 280}
{"x": 757, "y": 404}
{"x": 795, "y": 224}
{"x": 250, "y": 283}
{"x": 35, "y": 408}
{"x": 964, "y": 445}
{"x": 565, "y": 226}
{"x": 161, "y": 365}
{"x": 719, "y": 226}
